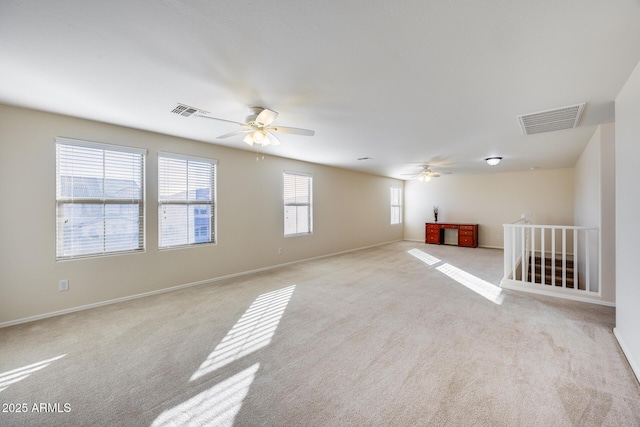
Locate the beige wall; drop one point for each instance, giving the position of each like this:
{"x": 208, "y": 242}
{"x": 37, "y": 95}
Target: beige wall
{"x": 351, "y": 210}
{"x": 490, "y": 200}
{"x": 627, "y": 177}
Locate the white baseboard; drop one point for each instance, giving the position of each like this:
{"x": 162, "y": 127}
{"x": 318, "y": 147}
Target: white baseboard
{"x": 491, "y": 247}
{"x": 634, "y": 366}
{"x": 480, "y": 246}
{"x": 174, "y": 288}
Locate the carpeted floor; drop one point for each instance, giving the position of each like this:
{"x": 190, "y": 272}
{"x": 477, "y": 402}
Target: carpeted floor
{"x": 403, "y": 334}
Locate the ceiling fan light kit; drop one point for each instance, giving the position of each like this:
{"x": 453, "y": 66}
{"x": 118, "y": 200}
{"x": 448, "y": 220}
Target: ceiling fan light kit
{"x": 260, "y": 137}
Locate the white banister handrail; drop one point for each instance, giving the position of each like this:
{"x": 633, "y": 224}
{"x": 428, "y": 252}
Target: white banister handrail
{"x": 536, "y": 261}
{"x": 568, "y": 227}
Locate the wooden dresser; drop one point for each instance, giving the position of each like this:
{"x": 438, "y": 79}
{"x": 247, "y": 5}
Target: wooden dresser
{"x": 467, "y": 233}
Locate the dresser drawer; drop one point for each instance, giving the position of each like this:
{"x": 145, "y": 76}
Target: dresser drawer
{"x": 432, "y": 232}
{"x": 467, "y": 227}
{"x": 433, "y": 238}
{"x": 448, "y": 226}
{"x": 466, "y": 241}
{"x": 462, "y": 232}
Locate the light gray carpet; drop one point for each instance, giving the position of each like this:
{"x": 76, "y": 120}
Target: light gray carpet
{"x": 403, "y": 334}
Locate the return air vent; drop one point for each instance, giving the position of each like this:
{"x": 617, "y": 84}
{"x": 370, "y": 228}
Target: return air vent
{"x": 551, "y": 120}
{"x": 185, "y": 110}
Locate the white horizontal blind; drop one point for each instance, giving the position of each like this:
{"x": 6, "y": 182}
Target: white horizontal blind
{"x": 186, "y": 200}
{"x": 396, "y": 205}
{"x": 99, "y": 199}
{"x": 298, "y": 203}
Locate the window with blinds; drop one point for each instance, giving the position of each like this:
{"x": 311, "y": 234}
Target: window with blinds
{"x": 298, "y": 203}
{"x": 186, "y": 200}
{"x": 396, "y": 205}
{"x": 99, "y": 199}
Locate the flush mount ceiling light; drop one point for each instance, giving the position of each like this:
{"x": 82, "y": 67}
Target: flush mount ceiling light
{"x": 493, "y": 160}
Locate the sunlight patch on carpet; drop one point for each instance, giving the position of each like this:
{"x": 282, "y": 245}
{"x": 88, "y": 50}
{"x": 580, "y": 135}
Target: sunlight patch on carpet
{"x": 483, "y": 288}
{"x": 217, "y": 406}
{"x": 253, "y": 331}
{"x": 423, "y": 256}
{"x": 15, "y": 375}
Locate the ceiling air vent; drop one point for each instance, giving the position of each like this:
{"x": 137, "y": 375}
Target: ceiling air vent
{"x": 551, "y": 120}
{"x": 185, "y": 110}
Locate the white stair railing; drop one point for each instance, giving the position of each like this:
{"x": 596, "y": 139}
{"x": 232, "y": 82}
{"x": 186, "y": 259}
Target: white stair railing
{"x": 552, "y": 259}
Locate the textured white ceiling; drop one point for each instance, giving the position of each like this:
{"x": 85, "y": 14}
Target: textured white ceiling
{"x": 404, "y": 83}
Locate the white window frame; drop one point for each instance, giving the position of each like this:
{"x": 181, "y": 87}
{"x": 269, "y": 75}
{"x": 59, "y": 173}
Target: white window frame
{"x": 306, "y": 180}
{"x": 69, "y": 243}
{"x": 163, "y": 203}
{"x": 396, "y": 205}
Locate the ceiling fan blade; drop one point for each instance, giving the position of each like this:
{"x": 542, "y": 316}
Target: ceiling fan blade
{"x": 220, "y": 120}
{"x": 271, "y": 137}
{"x": 266, "y": 117}
{"x": 293, "y": 131}
{"x": 234, "y": 133}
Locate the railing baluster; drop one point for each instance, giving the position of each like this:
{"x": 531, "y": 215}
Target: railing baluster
{"x": 564, "y": 257}
{"x": 514, "y": 266}
{"x": 587, "y": 261}
{"x": 524, "y": 258}
{"x": 575, "y": 260}
{"x": 543, "y": 264}
{"x": 533, "y": 255}
{"x": 553, "y": 256}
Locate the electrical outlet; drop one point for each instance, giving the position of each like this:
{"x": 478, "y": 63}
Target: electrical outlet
{"x": 498, "y": 237}
{"x": 63, "y": 285}
{"x": 279, "y": 251}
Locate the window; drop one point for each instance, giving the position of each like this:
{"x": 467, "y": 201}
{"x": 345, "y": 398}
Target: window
{"x": 396, "y": 205}
{"x": 186, "y": 200}
{"x": 298, "y": 206}
{"x": 99, "y": 199}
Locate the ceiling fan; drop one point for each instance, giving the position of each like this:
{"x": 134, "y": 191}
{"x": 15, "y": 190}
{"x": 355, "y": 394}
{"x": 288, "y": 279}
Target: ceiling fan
{"x": 425, "y": 174}
{"x": 258, "y": 128}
